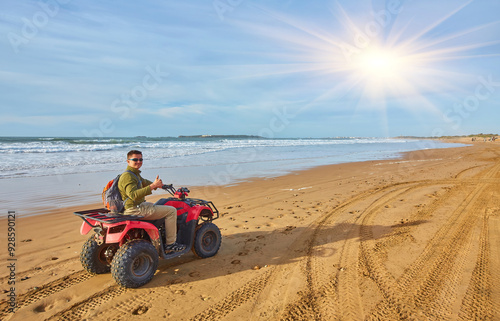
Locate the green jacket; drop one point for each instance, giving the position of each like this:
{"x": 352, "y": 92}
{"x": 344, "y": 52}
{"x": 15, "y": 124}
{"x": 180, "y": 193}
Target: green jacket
{"x": 130, "y": 189}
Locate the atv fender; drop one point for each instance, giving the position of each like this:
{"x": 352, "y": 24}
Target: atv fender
{"x": 87, "y": 226}
{"x": 195, "y": 212}
{"x": 116, "y": 237}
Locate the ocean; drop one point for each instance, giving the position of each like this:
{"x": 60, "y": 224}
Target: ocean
{"x": 38, "y": 174}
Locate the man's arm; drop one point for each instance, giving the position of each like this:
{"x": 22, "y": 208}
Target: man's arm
{"x": 146, "y": 182}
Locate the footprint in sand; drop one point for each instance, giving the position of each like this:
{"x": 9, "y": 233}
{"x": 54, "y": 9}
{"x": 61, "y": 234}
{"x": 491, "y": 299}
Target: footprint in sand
{"x": 43, "y": 308}
{"x": 243, "y": 253}
{"x": 288, "y": 229}
{"x": 493, "y": 211}
{"x": 140, "y": 310}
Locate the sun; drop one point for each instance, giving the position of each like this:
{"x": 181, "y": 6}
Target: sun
{"x": 382, "y": 72}
{"x": 378, "y": 64}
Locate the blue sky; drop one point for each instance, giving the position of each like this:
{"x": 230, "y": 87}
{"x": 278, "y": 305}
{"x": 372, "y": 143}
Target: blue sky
{"x": 272, "y": 68}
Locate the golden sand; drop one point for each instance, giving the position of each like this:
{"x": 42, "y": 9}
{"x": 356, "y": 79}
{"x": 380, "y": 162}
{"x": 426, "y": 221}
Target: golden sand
{"x": 415, "y": 238}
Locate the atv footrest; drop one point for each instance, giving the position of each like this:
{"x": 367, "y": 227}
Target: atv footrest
{"x": 104, "y": 216}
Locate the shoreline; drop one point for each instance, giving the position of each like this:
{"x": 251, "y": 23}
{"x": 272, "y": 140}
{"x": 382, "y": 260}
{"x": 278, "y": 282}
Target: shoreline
{"x": 58, "y": 190}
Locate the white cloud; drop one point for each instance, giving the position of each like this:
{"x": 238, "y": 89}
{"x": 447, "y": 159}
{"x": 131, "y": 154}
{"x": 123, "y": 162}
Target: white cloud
{"x": 172, "y": 112}
{"x": 47, "y": 120}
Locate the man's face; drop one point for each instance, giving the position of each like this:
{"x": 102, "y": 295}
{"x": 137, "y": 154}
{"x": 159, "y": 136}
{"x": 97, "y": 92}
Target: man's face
{"x": 135, "y": 161}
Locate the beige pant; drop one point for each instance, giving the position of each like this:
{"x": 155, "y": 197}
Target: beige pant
{"x": 156, "y": 212}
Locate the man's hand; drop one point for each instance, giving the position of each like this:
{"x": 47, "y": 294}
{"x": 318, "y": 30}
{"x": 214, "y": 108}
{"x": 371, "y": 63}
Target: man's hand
{"x": 157, "y": 183}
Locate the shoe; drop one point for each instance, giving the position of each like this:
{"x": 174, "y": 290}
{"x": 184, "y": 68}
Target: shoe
{"x": 175, "y": 247}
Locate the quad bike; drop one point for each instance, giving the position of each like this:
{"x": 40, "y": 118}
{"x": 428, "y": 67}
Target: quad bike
{"x": 130, "y": 246}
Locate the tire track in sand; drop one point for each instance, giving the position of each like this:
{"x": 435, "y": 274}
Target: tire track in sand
{"x": 46, "y": 290}
{"x": 394, "y": 305}
{"x": 235, "y": 299}
{"x": 79, "y": 310}
{"x": 139, "y": 304}
{"x": 449, "y": 266}
{"x": 476, "y": 304}
{"x": 429, "y": 294}
{"x": 482, "y": 299}
{"x": 351, "y": 304}
{"x": 494, "y": 251}
{"x": 329, "y": 292}
{"x": 373, "y": 254}
{"x": 433, "y": 278}
{"x": 306, "y": 307}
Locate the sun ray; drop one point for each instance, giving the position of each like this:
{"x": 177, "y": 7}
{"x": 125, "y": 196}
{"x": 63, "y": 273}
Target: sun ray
{"x": 396, "y": 68}
{"x": 450, "y": 58}
{"x": 347, "y": 22}
{"x": 437, "y": 55}
{"x": 396, "y": 34}
{"x": 282, "y": 69}
{"x": 432, "y": 26}
{"x": 300, "y": 26}
{"x": 427, "y": 44}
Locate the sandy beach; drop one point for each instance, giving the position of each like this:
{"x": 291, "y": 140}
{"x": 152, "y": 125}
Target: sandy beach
{"x": 416, "y": 238}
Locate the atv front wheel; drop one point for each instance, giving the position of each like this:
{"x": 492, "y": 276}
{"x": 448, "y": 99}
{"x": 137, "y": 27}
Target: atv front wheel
{"x": 94, "y": 256}
{"x": 134, "y": 264}
{"x": 207, "y": 240}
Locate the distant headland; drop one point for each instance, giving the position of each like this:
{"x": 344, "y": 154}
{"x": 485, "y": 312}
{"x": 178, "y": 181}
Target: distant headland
{"x": 220, "y": 136}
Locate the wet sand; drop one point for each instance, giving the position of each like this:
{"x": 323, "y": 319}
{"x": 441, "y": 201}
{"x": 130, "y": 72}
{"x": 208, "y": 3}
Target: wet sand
{"x": 416, "y": 238}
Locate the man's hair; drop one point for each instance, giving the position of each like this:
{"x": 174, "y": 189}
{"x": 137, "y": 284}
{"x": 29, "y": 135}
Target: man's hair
{"x": 132, "y": 152}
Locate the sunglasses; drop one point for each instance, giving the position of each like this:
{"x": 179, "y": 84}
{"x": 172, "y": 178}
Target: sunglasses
{"x": 135, "y": 159}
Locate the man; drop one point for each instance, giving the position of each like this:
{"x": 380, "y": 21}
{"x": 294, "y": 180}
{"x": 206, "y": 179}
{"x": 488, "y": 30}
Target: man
{"x": 133, "y": 189}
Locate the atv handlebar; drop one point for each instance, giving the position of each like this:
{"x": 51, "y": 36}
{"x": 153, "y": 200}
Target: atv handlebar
{"x": 169, "y": 188}
{"x": 179, "y": 193}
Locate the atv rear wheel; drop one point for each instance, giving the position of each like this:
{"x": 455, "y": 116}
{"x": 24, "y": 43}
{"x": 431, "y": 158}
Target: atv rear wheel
{"x": 134, "y": 264}
{"x": 207, "y": 240}
{"x": 94, "y": 256}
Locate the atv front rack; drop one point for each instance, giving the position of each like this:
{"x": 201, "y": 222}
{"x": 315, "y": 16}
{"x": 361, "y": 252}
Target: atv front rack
{"x": 194, "y": 201}
{"x": 103, "y": 215}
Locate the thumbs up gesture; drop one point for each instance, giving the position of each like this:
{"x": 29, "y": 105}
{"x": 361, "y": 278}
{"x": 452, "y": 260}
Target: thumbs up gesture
{"x": 157, "y": 183}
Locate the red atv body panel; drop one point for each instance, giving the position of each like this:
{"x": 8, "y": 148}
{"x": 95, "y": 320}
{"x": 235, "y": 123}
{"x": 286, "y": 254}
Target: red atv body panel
{"x": 115, "y": 232}
{"x": 193, "y": 212}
